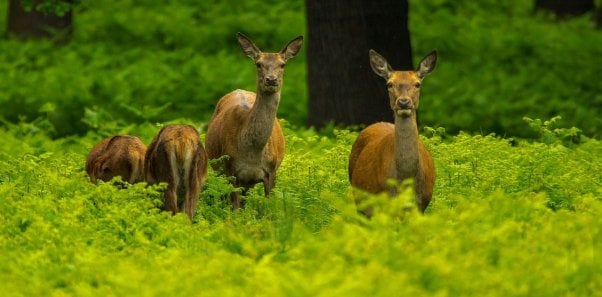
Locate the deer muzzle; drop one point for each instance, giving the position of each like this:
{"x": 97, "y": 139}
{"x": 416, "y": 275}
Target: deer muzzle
{"x": 271, "y": 81}
{"x": 403, "y": 107}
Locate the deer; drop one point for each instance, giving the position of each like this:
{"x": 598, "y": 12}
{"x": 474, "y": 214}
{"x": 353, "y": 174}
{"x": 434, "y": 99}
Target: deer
{"x": 384, "y": 151}
{"x": 120, "y": 155}
{"x": 177, "y": 157}
{"x": 244, "y": 127}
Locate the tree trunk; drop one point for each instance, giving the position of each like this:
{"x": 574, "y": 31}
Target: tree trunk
{"x": 565, "y": 8}
{"x": 35, "y": 24}
{"x": 342, "y": 86}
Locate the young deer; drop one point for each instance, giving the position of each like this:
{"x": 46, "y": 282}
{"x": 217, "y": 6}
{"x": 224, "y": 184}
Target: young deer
{"x": 120, "y": 155}
{"x": 177, "y": 157}
{"x": 385, "y": 151}
{"x": 244, "y": 126}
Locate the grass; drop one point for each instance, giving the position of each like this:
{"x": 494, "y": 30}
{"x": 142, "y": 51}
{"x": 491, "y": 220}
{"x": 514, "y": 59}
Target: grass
{"x": 520, "y": 217}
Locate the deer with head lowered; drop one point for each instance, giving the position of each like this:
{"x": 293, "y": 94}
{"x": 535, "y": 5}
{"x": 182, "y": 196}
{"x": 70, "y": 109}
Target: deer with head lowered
{"x": 120, "y": 155}
{"x": 177, "y": 156}
{"x": 244, "y": 127}
{"x": 384, "y": 151}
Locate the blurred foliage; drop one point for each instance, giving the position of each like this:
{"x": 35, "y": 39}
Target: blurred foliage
{"x": 56, "y": 7}
{"x": 137, "y": 61}
{"x": 500, "y": 62}
{"x": 140, "y": 60}
{"x": 522, "y": 218}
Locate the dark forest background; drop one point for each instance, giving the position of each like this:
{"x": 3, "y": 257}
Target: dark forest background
{"x": 128, "y": 62}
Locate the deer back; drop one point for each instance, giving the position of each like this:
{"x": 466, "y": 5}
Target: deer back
{"x": 178, "y": 145}
{"x": 372, "y": 158}
{"x": 120, "y": 155}
{"x": 176, "y": 156}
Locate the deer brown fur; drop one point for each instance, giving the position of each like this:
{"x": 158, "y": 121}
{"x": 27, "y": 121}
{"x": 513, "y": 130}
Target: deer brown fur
{"x": 176, "y": 156}
{"x": 384, "y": 151}
{"x": 120, "y": 155}
{"x": 244, "y": 126}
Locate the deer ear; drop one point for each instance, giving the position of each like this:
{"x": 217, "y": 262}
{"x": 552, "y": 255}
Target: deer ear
{"x": 427, "y": 65}
{"x": 247, "y": 46}
{"x": 292, "y": 48}
{"x": 379, "y": 65}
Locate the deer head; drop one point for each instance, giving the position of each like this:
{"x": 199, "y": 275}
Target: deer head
{"x": 403, "y": 86}
{"x": 270, "y": 66}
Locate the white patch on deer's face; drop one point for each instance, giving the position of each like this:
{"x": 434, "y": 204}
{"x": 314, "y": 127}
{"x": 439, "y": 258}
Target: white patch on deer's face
{"x": 404, "y": 112}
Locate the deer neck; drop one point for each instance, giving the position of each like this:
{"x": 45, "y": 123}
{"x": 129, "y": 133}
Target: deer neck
{"x": 258, "y": 127}
{"x": 406, "y": 147}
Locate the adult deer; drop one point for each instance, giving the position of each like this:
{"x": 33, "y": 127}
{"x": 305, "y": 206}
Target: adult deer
{"x": 120, "y": 155}
{"x": 177, "y": 156}
{"x": 244, "y": 126}
{"x": 384, "y": 151}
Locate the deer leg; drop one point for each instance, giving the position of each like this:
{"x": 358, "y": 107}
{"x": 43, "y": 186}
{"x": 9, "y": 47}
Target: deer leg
{"x": 171, "y": 199}
{"x": 235, "y": 200}
{"x": 419, "y": 200}
{"x": 192, "y": 196}
{"x": 268, "y": 184}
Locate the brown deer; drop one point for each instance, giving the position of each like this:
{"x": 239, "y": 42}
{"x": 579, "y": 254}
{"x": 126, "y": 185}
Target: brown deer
{"x": 120, "y": 155}
{"x": 384, "y": 151}
{"x": 177, "y": 156}
{"x": 244, "y": 126}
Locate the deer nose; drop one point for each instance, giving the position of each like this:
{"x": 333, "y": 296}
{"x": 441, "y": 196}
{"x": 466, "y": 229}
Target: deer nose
{"x": 271, "y": 81}
{"x": 404, "y": 103}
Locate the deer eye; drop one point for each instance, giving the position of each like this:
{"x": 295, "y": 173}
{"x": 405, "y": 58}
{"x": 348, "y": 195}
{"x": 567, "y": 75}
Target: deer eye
{"x": 282, "y": 65}
{"x": 417, "y": 85}
{"x": 389, "y": 85}
{"x": 258, "y": 65}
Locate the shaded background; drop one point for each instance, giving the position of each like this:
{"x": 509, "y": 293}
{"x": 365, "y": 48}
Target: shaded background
{"x": 154, "y": 61}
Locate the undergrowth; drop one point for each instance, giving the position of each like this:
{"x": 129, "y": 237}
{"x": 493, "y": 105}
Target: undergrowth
{"x": 510, "y": 217}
